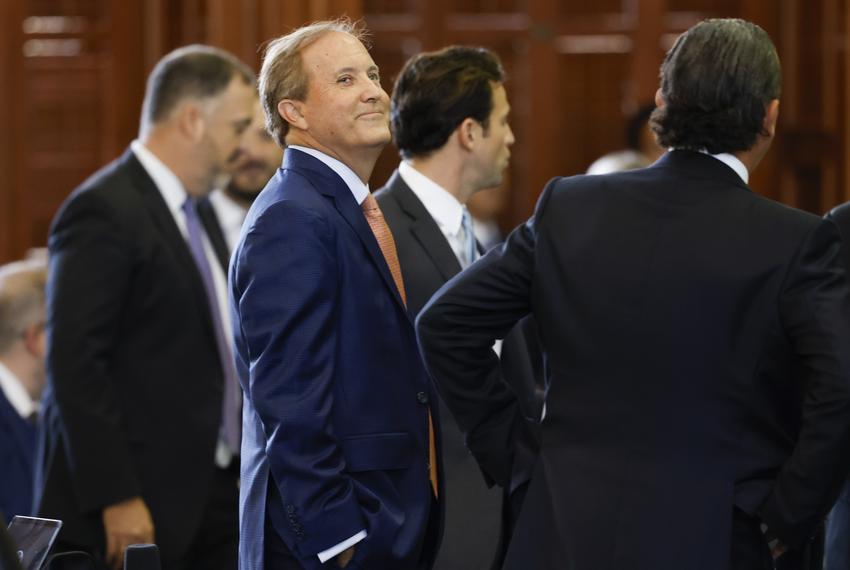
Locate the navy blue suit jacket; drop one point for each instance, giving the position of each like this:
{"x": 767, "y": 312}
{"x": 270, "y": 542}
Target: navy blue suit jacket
{"x": 17, "y": 449}
{"x": 335, "y": 421}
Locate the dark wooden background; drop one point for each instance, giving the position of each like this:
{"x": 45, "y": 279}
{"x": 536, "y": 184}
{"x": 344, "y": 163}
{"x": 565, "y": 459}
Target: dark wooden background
{"x": 72, "y": 78}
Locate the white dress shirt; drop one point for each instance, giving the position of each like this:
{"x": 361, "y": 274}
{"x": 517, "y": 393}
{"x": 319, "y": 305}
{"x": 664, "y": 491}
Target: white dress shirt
{"x": 16, "y": 394}
{"x": 231, "y": 214}
{"x": 175, "y": 196}
{"x": 359, "y": 190}
{"x": 442, "y": 206}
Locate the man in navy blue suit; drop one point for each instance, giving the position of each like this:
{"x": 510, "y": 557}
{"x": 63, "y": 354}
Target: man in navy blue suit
{"x": 21, "y": 379}
{"x": 338, "y": 455}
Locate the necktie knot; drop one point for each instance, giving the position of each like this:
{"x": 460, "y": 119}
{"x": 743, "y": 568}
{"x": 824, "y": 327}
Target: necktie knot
{"x": 369, "y": 205}
{"x": 188, "y": 206}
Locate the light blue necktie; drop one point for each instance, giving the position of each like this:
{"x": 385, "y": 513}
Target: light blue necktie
{"x": 230, "y": 421}
{"x": 470, "y": 247}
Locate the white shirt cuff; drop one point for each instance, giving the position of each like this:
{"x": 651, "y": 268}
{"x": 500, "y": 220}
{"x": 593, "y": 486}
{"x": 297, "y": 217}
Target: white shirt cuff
{"x": 326, "y": 555}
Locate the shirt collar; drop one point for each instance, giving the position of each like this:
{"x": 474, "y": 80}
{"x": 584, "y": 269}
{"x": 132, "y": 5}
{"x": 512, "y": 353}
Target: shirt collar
{"x": 443, "y": 206}
{"x": 15, "y": 392}
{"x": 732, "y": 162}
{"x": 358, "y": 189}
{"x": 169, "y": 185}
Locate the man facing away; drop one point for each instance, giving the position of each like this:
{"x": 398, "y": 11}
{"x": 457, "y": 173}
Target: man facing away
{"x": 339, "y": 457}
{"x": 142, "y": 407}
{"x": 450, "y": 123}
{"x": 22, "y": 349}
{"x": 698, "y": 411}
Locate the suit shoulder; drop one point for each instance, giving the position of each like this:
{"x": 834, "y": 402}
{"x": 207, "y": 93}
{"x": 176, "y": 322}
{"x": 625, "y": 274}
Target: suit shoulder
{"x": 841, "y": 216}
{"x": 291, "y": 196}
{"x": 107, "y": 193}
{"x": 783, "y": 216}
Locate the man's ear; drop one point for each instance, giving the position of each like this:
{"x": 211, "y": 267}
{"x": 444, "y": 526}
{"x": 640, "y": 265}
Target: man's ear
{"x": 33, "y": 340}
{"x": 190, "y": 120}
{"x": 659, "y": 100}
{"x": 467, "y": 133}
{"x": 771, "y": 116}
{"x": 290, "y": 111}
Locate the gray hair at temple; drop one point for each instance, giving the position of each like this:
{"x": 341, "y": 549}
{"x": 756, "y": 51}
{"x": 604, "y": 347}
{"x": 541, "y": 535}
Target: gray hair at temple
{"x": 716, "y": 82}
{"x": 22, "y": 297}
{"x": 283, "y": 76}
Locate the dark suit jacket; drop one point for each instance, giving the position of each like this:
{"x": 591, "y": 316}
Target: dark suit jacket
{"x": 133, "y": 401}
{"x": 335, "y": 433}
{"x": 17, "y": 448}
{"x": 696, "y": 336}
{"x": 473, "y": 511}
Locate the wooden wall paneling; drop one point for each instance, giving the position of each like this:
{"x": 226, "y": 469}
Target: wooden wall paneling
{"x": 61, "y": 116}
{"x": 189, "y": 21}
{"x": 155, "y": 25}
{"x": 351, "y": 8}
{"x": 11, "y": 16}
{"x": 125, "y": 75}
{"x": 830, "y": 106}
{"x": 542, "y": 151}
{"x": 842, "y": 45}
{"x": 227, "y": 26}
{"x": 647, "y": 54}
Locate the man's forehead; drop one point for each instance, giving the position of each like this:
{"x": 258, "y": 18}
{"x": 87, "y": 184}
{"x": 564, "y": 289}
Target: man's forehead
{"x": 334, "y": 52}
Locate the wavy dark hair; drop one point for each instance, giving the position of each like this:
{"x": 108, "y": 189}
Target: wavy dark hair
{"x": 716, "y": 82}
{"x": 436, "y": 91}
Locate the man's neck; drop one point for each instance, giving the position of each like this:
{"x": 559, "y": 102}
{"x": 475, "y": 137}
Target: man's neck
{"x": 443, "y": 171}
{"x": 361, "y": 161}
{"x": 162, "y": 146}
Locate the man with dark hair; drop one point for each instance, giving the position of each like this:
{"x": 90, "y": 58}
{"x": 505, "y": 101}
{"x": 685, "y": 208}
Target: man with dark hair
{"x": 450, "y": 122}
{"x": 141, "y": 416}
{"x": 339, "y": 462}
{"x": 248, "y": 173}
{"x": 22, "y": 349}
{"x": 698, "y": 403}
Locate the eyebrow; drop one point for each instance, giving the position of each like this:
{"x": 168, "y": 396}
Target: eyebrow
{"x": 354, "y": 69}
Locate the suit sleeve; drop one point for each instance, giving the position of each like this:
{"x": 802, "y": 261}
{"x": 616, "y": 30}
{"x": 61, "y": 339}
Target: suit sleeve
{"x": 815, "y": 314}
{"x": 456, "y": 331}
{"x": 89, "y": 279}
{"x": 286, "y": 290}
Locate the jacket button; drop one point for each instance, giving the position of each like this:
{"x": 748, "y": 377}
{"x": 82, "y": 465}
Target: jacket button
{"x": 422, "y": 397}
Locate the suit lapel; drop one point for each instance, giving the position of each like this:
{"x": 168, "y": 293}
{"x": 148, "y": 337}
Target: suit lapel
{"x": 166, "y": 226}
{"x": 424, "y": 229}
{"x": 331, "y": 185}
{"x": 212, "y": 227}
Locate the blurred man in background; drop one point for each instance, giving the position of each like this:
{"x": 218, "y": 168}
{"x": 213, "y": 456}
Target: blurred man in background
{"x": 142, "y": 417}
{"x": 22, "y": 372}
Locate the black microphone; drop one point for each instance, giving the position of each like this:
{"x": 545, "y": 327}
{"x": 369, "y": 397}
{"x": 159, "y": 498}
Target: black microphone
{"x": 142, "y": 557}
